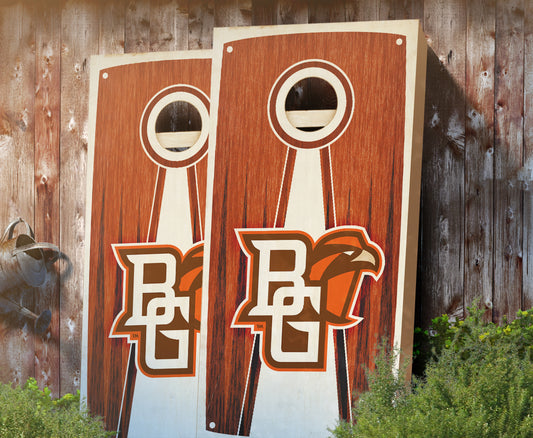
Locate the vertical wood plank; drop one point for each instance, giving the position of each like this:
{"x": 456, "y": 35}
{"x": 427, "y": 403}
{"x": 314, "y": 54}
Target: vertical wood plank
{"x": 401, "y": 9}
{"x": 169, "y": 22}
{"x": 326, "y": 12}
{"x": 508, "y": 157}
{"x": 79, "y": 39}
{"x": 409, "y": 9}
{"x": 263, "y": 12}
{"x": 362, "y": 10}
{"x": 47, "y": 214}
{"x": 137, "y": 27}
{"x": 479, "y": 152}
{"x": 233, "y": 13}
{"x": 387, "y": 10}
{"x": 441, "y": 271}
{"x": 111, "y": 29}
{"x": 292, "y": 12}
{"x": 16, "y": 172}
{"x": 527, "y": 289}
{"x": 201, "y": 23}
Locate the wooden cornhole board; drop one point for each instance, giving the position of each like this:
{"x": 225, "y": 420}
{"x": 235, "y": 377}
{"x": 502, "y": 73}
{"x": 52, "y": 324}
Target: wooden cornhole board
{"x": 145, "y": 209}
{"x": 312, "y": 220}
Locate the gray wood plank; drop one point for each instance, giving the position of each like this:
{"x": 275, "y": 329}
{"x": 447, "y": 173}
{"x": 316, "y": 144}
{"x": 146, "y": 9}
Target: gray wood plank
{"x": 16, "y": 173}
{"x": 47, "y": 172}
{"x": 508, "y": 158}
{"x": 79, "y": 39}
{"x": 479, "y": 153}
{"x": 441, "y": 270}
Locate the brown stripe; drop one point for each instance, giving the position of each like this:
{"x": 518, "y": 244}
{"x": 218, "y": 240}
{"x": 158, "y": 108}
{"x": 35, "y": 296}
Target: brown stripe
{"x": 194, "y": 204}
{"x": 125, "y": 413}
{"x": 285, "y": 188}
{"x": 249, "y": 400}
{"x": 327, "y": 188}
{"x": 156, "y": 208}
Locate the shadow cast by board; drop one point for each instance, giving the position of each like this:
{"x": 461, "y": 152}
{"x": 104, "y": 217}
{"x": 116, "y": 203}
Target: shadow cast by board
{"x": 453, "y": 127}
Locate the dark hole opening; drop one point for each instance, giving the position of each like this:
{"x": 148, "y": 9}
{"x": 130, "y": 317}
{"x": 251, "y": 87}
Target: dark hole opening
{"x": 178, "y": 116}
{"x": 311, "y": 94}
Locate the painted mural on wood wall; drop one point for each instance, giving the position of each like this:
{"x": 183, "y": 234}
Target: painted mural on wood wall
{"x": 312, "y": 187}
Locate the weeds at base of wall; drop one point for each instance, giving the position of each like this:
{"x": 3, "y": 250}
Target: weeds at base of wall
{"x": 29, "y": 412}
{"x": 478, "y": 383}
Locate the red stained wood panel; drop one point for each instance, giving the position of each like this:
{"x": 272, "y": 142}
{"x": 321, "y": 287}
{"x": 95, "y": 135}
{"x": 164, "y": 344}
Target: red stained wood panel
{"x": 124, "y": 183}
{"x": 366, "y": 172}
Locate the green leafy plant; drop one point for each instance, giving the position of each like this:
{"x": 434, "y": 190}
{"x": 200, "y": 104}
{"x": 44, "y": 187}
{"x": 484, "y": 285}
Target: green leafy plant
{"x": 29, "y": 412}
{"x": 478, "y": 383}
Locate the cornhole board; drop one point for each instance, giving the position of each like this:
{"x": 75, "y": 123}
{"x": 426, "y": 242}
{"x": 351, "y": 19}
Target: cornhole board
{"x": 145, "y": 207}
{"x": 312, "y": 220}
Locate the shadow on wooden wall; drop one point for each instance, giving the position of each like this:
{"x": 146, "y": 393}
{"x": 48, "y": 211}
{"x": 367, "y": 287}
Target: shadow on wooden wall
{"x": 441, "y": 202}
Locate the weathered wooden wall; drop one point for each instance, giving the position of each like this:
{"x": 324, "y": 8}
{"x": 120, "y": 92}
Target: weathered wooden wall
{"x": 476, "y": 206}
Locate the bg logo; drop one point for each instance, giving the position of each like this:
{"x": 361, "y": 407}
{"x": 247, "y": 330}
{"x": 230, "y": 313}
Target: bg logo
{"x": 161, "y": 306}
{"x": 297, "y": 288}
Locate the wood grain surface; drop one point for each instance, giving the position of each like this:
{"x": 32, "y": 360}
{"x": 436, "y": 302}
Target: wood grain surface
{"x": 508, "y": 157}
{"x": 17, "y": 173}
{"x": 249, "y": 175}
{"x": 479, "y": 153}
{"x": 47, "y": 168}
{"x": 527, "y": 287}
{"x": 442, "y": 225}
{"x": 77, "y": 18}
{"x": 490, "y": 36}
{"x": 124, "y": 183}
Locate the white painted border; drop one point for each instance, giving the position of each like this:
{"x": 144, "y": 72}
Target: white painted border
{"x": 98, "y": 64}
{"x": 416, "y": 53}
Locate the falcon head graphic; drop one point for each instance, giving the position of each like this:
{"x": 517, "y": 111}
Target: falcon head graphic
{"x": 341, "y": 259}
